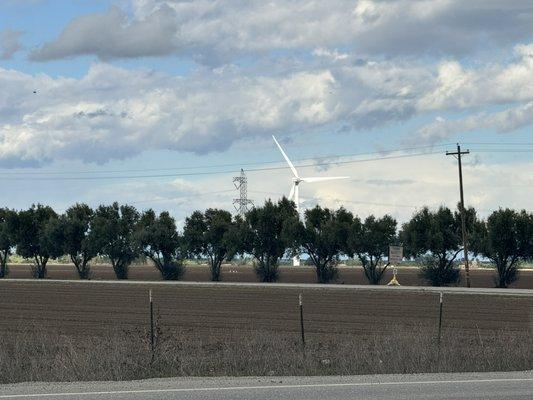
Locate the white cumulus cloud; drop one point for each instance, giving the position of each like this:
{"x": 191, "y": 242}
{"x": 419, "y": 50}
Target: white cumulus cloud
{"x": 114, "y": 113}
{"x": 215, "y": 32}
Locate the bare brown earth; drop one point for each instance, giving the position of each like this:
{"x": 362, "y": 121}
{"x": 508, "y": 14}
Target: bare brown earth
{"x": 98, "y": 308}
{"x": 408, "y": 276}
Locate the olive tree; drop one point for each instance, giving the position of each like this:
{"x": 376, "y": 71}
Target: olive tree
{"x": 159, "y": 240}
{"x": 323, "y": 236}
{"x": 8, "y": 225}
{"x": 369, "y": 241}
{"x": 263, "y": 234}
{"x": 435, "y": 237}
{"x": 209, "y": 233}
{"x": 39, "y": 236}
{"x": 505, "y": 238}
{"x": 112, "y": 235}
{"x": 76, "y": 225}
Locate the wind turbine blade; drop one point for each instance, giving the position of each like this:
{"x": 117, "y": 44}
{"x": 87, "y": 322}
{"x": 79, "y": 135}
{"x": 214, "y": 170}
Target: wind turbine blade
{"x": 291, "y": 194}
{"x": 324, "y": 178}
{"x": 286, "y": 158}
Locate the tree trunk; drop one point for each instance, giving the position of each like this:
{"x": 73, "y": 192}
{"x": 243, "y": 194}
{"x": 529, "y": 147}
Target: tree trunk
{"x": 38, "y": 269}
{"x": 215, "y": 269}
{"x": 325, "y": 272}
{"x": 3, "y": 264}
{"x": 121, "y": 269}
{"x": 170, "y": 270}
{"x": 502, "y": 282}
{"x": 267, "y": 270}
{"x": 507, "y": 273}
{"x": 82, "y": 267}
{"x": 84, "y": 271}
{"x": 370, "y": 268}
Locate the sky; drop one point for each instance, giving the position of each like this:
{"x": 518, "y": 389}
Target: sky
{"x": 160, "y": 103}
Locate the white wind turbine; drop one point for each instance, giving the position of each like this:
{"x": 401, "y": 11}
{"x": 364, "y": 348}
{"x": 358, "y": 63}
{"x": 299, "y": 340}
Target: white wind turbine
{"x": 295, "y": 192}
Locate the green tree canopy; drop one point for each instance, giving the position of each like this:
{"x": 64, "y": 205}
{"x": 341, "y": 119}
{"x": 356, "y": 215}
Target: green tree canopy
{"x": 369, "y": 241}
{"x": 209, "y": 234}
{"x": 263, "y": 233}
{"x": 112, "y": 234}
{"x": 439, "y": 234}
{"x": 506, "y": 238}
{"x": 39, "y": 237}
{"x": 159, "y": 240}
{"x": 8, "y": 226}
{"x": 76, "y": 225}
{"x": 323, "y": 236}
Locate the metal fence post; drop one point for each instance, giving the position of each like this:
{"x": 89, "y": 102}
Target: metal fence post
{"x": 152, "y": 335}
{"x": 440, "y": 329}
{"x": 300, "y": 301}
{"x": 440, "y": 317}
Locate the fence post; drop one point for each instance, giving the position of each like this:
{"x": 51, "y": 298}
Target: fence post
{"x": 301, "y": 318}
{"x": 440, "y": 329}
{"x": 152, "y": 337}
{"x": 440, "y": 317}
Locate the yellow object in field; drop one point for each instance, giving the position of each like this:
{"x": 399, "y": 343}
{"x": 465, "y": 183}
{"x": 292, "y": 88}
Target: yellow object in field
{"x": 394, "y": 281}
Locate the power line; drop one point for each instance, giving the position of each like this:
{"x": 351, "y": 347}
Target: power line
{"x": 502, "y": 150}
{"x": 385, "y": 151}
{"x": 313, "y": 165}
{"x": 170, "y": 198}
{"x": 405, "y": 149}
{"x": 195, "y": 167}
{"x": 501, "y": 143}
{"x": 369, "y": 203}
{"x": 181, "y": 197}
{"x": 346, "y": 201}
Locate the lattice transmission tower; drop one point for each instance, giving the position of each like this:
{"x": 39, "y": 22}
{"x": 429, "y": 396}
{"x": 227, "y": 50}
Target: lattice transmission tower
{"x": 241, "y": 184}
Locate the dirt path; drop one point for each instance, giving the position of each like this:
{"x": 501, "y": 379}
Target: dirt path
{"x": 348, "y": 275}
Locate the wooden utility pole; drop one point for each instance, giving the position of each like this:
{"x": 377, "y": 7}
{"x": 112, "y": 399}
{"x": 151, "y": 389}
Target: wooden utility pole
{"x": 458, "y": 153}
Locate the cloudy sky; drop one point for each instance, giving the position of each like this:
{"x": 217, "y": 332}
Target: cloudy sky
{"x": 159, "y": 103}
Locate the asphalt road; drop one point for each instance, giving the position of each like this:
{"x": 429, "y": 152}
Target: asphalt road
{"x": 510, "y": 385}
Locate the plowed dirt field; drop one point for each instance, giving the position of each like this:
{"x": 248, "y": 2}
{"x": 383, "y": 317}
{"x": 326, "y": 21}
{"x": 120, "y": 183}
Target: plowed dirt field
{"x": 87, "y": 308}
{"x": 348, "y": 275}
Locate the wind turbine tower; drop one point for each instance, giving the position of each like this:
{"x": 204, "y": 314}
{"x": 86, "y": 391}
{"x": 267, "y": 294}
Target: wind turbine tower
{"x": 295, "y": 191}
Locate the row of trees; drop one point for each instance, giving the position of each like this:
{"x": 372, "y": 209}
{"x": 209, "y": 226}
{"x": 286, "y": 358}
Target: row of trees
{"x": 268, "y": 233}
{"x": 119, "y": 233}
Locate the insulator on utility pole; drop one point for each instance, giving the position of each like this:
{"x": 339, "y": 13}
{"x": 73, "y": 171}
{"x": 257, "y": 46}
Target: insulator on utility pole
{"x": 241, "y": 184}
{"x": 458, "y": 153}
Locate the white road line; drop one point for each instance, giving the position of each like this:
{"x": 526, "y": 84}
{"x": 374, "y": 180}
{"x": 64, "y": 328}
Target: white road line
{"x": 242, "y": 388}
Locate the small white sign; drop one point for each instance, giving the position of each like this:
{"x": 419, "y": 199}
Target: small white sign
{"x": 395, "y": 254}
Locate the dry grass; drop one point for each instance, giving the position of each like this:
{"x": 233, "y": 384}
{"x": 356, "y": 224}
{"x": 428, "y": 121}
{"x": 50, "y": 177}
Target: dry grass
{"x": 35, "y": 355}
{"x": 83, "y": 332}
